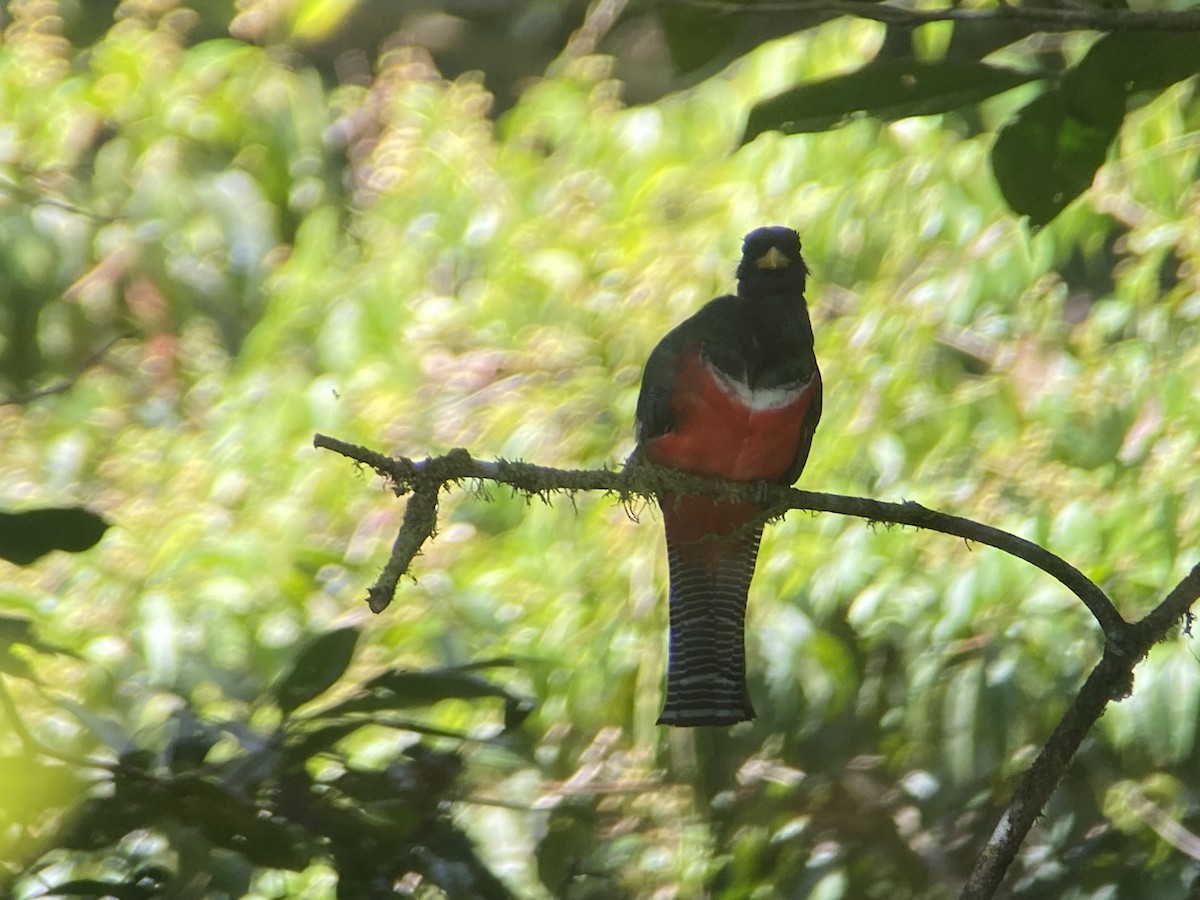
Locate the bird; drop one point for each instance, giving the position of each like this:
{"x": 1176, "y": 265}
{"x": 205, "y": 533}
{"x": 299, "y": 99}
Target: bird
{"x": 731, "y": 392}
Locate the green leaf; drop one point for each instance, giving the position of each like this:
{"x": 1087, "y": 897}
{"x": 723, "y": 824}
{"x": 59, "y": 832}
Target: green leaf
{"x": 890, "y": 90}
{"x": 318, "y": 667}
{"x": 1047, "y": 156}
{"x": 32, "y": 788}
{"x": 15, "y": 630}
{"x": 960, "y": 716}
{"x": 569, "y": 837}
{"x": 303, "y": 744}
{"x": 1049, "y": 153}
{"x": 26, "y": 537}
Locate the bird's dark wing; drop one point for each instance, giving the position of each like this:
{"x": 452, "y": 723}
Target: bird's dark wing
{"x": 654, "y": 415}
{"x": 807, "y": 430}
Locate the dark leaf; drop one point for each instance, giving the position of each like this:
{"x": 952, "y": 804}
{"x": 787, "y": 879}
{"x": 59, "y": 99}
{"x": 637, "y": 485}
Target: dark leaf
{"x": 319, "y": 740}
{"x": 15, "y": 631}
{"x": 28, "y": 536}
{"x": 193, "y": 740}
{"x": 385, "y": 803}
{"x": 90, "y": 887}
{"x": 247, "y": 772}
{"x": 891, "y": 90}
{"x": 231, "y": 822}
{"x": 1049, "y": 153}
{"x": 564, "y": 849}
{"x": 695, "y": 36}
{"x": 146, "y": 883}
{"x": 431, "y": 685}
{"x": 516, "y": 711}
{"x": 396, "y": 689}
{"x": 102, "y": 822}
{"x": 496, "y": 662}
{"x": 1142, "y": 60}
{"x": 318, "y": 667}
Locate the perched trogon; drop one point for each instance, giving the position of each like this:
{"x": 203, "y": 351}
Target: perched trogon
{"x": 732, "y": 392}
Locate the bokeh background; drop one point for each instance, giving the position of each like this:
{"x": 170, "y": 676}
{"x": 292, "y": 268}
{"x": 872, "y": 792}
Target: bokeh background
{"x": 226, "y": 227}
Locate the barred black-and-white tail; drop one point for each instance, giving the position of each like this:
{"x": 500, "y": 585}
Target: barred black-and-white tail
{"x": 706, "y": 669}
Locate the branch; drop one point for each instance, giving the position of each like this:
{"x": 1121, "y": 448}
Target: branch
{"x": 1040, "y": 18}
{"x": 1112, "y": 679}
{"x": 1126, "y": 644}
{"x": 426, "y": 478}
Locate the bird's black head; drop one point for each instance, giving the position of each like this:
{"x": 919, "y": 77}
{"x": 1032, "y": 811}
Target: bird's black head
{"x": 771, "y": 263}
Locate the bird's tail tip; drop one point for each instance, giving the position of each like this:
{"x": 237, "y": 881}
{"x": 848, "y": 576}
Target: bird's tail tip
{"x": 692, "y": 712}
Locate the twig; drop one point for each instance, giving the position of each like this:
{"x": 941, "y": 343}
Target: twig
{"x": 61, "y": 387}
{"x": 598, "y": 21}
{"x": 1039, "y": 18}
{"x": 426, "y": 477}
{"x": 419, "y": 524}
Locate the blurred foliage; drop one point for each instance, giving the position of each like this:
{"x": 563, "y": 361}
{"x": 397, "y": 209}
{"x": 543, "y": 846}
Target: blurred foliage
{"x": 193, "y": 808}
{"x": 210, "y": 250}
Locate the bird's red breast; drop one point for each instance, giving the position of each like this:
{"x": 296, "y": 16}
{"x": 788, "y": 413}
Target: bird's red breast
{"x": 724, "y": 429}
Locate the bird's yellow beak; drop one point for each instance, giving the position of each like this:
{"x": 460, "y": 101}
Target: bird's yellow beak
{"x": 772, "y": 259}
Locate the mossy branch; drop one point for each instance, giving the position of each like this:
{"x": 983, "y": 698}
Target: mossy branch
{"x": 1126, "y": 643}
{"x": 425, "y": 478}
